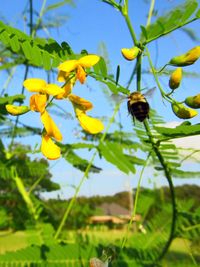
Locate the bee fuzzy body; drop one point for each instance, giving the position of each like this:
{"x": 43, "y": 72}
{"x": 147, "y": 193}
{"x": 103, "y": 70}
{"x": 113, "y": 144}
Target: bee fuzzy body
{"x": 138, "y": 106}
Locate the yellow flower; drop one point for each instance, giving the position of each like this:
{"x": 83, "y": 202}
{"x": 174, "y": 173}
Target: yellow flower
{"x": 186, "y": 59}
{"x": 89, "y": 124}
{"x": 77, "y": 65}
{"x": 130, "y": 53}
{"x": 193, "y": 101}
{"x": 67, "y": 89}
{"x": 50, "y": 126}
{"x": 38, "y": 102}
{"x": 49, "y": 149}
{"x": 175, "y": 78}
{"x": 40, "y": 86}
{"x": 17, "y": 110}
{"x": 183, "y": 112}
{"x": 80, "y": 103}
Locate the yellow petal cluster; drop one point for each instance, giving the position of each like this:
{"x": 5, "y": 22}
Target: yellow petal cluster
{"x": 78, "y": 66}
{"x": 69, "y": 72}
{"x": 40, "y": 86}
{"x": 38, "y": 102}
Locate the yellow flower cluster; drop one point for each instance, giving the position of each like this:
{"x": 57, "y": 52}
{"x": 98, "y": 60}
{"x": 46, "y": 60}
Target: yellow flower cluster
{"x": 186, "y": 59}
{"x": 69, "y": 72}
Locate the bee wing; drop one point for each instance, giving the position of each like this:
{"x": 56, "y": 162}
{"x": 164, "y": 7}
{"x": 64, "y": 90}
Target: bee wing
{"x": 95, "y": 262}
{"x": 118, "y": 98}
{"x": 150, "y": 92}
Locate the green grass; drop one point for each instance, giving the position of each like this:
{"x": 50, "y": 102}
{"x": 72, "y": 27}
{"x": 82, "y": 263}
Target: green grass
{"x": 179, "y": 255}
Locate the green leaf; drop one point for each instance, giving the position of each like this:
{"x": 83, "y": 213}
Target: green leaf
{"x": 46, "y": 60}
{"x": 180, "y": 131}
{"x": 185, "y": 174}
{"x": 76, "y": 161}
{"x": 59, "y": 4}
{"x": 174, "y": 19}
{"x": 198, "y": 13}
{"x": 26, "y": 47}
{"x": 113, "y": 153}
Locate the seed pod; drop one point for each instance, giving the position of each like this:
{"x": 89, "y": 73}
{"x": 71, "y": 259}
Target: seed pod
{"x": 175, "y": 78}
{"x": 17, "y": 110}
{"x": 183, "y": 112}
{"x": 193, "y": 101}
{"x": 186, "y": 59}
{"x": 130, "y": 53}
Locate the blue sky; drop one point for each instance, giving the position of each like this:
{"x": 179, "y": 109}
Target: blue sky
{"x": 93, "y": 23}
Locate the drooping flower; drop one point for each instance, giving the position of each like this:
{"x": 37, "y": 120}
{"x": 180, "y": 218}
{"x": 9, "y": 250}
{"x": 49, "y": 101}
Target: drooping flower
{"x": 38, "y": 102}
{"x": 51, "y": 128}
{"x": 78, "y": 66}
{"x": 49, "y": 149}
{"x": 89, "y": 124}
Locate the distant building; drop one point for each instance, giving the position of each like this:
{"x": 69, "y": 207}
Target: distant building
{"x": 112, "y": 213}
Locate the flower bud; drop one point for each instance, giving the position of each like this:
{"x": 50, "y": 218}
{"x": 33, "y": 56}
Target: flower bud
{"x": 186, "y": 59}
{"x": 175, "y": 78}
{"x": 17, "y": 110}
{"x": 193, "y": 101}
{"x": 183, "y": 112}
{"x": 130, "y": 53}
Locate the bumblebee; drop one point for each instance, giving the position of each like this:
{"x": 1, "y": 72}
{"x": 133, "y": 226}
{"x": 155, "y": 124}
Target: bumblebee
{"x": 138, "y": 106}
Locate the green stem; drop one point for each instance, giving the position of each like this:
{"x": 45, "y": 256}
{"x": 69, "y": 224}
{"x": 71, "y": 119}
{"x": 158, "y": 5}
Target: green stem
{"x": 131, "y": 30}
{"x": 39, "y": 19}
{"x": 150, "y": 12}
{"x": 133, "y": 216}
{"x": 171, "y": 187}
{"x": 139, "y": 72}
{"x": 164, "y": 95}
{"x": 69, "y": 207}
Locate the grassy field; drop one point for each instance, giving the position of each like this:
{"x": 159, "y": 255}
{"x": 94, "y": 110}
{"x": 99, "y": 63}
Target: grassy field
{"x": 180, "y": 253}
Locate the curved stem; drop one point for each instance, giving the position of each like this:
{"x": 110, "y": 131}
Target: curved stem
{"x": 171, "y": 187}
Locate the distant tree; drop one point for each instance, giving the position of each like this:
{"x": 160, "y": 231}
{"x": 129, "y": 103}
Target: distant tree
{"x": 35, "y": 176}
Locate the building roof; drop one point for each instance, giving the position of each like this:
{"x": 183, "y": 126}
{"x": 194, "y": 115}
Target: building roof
{"x": 113, "y": 209}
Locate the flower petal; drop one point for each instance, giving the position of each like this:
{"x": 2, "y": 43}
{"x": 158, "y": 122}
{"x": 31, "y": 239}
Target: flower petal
{"x": 80, "y": 103}
{"x": 62, "y": 76}
{"x": 81, "y": 74}
{"x": 49, "y": 149}
{"x": 68, "y": 65}
{"x": 89, "y": 124}
{"x": 53, "y": 89}
{"x": 67, "y": 90}
{"x": 50, "y": 126}
{"x": 34, "y": 85}
{"x": 38, "y": 102}
{"x": 88, "y": 61}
